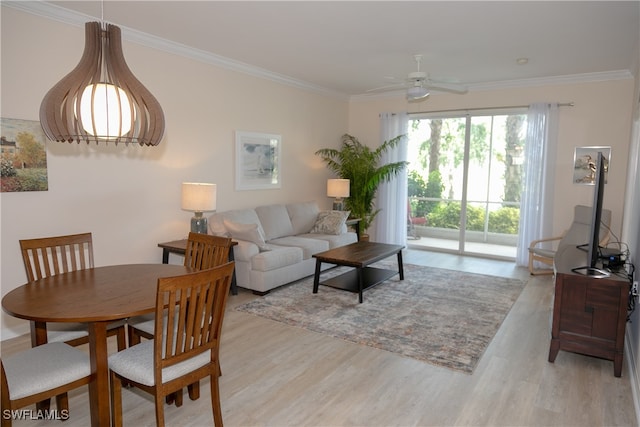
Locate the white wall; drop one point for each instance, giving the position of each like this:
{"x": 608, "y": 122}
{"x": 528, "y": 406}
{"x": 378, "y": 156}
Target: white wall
{"x": 601, "y": 116}
{"x": 129, "y": 197}
{"x": 631, "y": 235}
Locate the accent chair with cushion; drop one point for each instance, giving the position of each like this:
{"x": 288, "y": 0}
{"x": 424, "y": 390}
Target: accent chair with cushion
{"x": 544, "y": 250}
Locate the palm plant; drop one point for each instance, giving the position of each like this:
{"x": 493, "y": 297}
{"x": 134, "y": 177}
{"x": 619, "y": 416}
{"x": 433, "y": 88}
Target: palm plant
{"x": 361, "y": 166}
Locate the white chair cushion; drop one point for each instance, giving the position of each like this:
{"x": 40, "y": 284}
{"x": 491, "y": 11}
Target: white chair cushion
{"x": 145, "y": 322}
{"x": 62, "y": 331}
{"x": 136, "y": 364}
{"x": 548, "y": 253}
{"x": 148, "y": 326}
{"x": 43, "y": 368}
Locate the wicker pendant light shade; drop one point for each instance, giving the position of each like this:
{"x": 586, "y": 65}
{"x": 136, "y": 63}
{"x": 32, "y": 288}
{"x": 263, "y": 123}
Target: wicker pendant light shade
{"x": 101, "y": 100}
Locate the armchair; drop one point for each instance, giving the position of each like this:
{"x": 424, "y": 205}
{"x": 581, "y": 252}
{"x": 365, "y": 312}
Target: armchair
{"x": 544, "y": 250}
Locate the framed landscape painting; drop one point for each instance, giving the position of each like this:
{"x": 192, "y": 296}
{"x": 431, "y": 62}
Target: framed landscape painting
{"x": 24, "y": 156}
{"x": 257, "y": 161}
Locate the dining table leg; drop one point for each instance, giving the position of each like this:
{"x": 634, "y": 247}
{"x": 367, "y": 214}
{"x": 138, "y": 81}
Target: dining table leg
{"x": 39, "y": 337}
{"x": 99, "y": 387}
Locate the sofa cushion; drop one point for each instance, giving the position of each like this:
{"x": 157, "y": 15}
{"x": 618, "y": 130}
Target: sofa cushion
{"x": 303, "y": 216}
{"x": 275, "y": 221}
{"x": 276, "y": 258}
{"x": 242, "y": 216}
{"x": 335, "y": 240}
{"x": 249, "y": 232}
{"x": 308, "y": 246}
{"x": 331, "y": 222}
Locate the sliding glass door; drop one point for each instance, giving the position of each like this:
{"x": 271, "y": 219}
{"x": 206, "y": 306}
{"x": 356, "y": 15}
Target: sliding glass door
{"x": 465, "y": 180}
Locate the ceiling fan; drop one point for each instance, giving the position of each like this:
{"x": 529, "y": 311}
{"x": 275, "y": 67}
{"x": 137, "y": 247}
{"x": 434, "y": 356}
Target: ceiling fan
{"x": 418, "y": 84}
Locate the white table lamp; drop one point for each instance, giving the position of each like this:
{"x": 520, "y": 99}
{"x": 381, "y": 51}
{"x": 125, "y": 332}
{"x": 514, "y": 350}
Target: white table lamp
{"x": 338, "y": 188}
{"x": 198, "y": 198}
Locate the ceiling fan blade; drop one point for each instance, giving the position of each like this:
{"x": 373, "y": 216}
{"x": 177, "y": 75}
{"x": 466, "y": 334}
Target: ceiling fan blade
{"x": 446, "y": 87}
{"x": 387, "y": 87}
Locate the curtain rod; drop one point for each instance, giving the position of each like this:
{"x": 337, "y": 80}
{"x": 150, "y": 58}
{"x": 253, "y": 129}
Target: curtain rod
{"x": 565, "y": 104}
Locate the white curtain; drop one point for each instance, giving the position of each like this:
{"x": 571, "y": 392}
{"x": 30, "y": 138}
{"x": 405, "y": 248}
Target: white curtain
{"x": 536, "y": 204}
{"x": 391, "y": 221}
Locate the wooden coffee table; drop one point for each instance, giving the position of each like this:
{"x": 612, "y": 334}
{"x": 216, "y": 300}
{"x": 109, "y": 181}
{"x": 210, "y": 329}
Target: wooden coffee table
{"x": 359, "y": 255}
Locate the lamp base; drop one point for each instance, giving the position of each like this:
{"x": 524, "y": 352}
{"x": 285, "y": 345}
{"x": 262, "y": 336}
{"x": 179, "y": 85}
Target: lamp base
{"x": 338, "y": 204}
{"x": 199, "y": 223}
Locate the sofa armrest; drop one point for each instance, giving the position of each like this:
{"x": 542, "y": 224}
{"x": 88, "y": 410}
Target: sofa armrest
{"x": 244, "y": 250}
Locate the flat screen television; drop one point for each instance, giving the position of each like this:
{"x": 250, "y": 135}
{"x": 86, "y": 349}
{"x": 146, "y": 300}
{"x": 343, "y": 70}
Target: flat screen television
{"x": 593, "y": 247}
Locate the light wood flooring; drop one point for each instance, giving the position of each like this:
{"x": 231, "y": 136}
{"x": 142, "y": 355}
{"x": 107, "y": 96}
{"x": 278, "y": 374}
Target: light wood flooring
{"x": 278, "y": 375}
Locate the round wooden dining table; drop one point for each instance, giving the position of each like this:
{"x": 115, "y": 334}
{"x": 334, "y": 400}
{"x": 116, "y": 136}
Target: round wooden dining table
{"x": 95, "y": 296}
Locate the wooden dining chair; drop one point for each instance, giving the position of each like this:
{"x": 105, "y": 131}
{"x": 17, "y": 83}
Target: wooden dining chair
{"x": 49, "y": 256}
{"x": 203, "y": 251}
{"x": 40, "y": 373}
{"x": 186, "y": 343}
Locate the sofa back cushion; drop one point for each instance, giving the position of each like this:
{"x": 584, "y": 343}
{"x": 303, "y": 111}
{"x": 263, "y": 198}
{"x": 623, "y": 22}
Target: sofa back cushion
{"x": 303, "y": 216}
{"x": 275, "y": 221}
{"x": 241, "y": 216}
{"x": 247, "y": 232}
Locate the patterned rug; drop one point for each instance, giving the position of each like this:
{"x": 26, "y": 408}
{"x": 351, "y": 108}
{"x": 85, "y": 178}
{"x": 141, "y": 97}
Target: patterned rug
{"x": 443, "y": 317}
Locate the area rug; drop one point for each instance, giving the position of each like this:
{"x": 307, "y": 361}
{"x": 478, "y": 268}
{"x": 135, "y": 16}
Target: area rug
{"x": 443, "y": 317}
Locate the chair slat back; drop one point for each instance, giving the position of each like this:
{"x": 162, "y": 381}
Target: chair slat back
{"x": 195, "y": 304}
{"x": 206, "y": 251}
{"x": 48, "y": 256}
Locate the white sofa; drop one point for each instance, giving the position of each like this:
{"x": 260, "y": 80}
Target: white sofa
{"x": 276, "y": 242}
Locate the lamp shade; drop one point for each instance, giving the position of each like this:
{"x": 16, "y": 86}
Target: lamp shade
{"x": 338, "y": 188}
{"x": 198, "y": 197}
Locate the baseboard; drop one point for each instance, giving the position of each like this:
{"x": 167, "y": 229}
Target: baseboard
{"x": 634, "y": 379}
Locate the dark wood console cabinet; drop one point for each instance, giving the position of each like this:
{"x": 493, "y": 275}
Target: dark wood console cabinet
{"x": 589, "y": 317}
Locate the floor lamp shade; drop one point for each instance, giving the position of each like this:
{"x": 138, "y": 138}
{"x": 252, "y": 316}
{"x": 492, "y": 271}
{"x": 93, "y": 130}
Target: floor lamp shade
{"x": 198, "y": 198}
{"x": 101, "y": 99}
{"x": 338, "y": 188}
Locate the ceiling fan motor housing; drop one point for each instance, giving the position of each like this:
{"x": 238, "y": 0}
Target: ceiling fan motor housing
{"x": 417, "y": 92}
{"x": 417, "y": 76}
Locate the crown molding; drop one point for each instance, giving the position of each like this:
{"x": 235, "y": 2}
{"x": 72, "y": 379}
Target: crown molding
{"x": 518, "y": 84}
{"x": 66, "y": 16}
{"x": 60, "y": 14}
{"x": 554, "y": 80}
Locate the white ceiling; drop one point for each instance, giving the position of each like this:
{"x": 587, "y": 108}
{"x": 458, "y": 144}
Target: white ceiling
{"x": 351, "y": 46}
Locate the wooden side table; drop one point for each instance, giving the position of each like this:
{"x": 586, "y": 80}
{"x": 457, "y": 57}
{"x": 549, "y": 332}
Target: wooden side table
{"x": 179, "y": 247}
{"x": 355, "y": 223}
